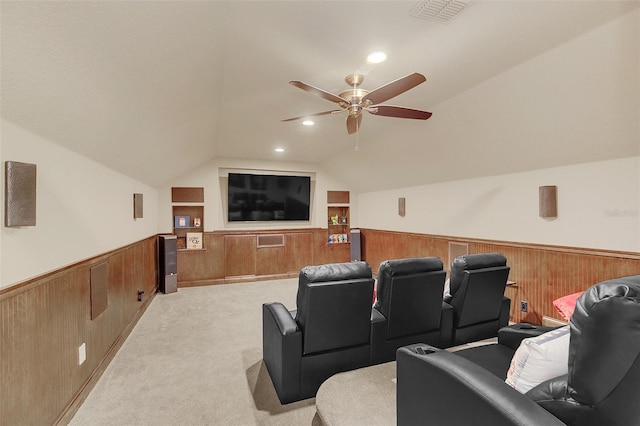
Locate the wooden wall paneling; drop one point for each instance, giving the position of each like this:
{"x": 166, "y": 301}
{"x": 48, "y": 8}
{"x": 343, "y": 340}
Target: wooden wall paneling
{"x": 99, "y": 294}
{"x": 202, "y": 266}
{"x": 187, "y": 195}
{"x": 150, "y": 266}
{"x": 338, "y": 197}
{"x": 338, "y": 253}
{"x": 134, "y": 279}
{"x": 239, "y": 255}
{"x": 271, "y": 260}
{"x": 298, "y": 251}
{"x": 214, "y": 244}
{"x": 542, "y": 273}
{"x": 42, "y": 324}
{"x": 193, "y": 265}
{"x": 39, "y": 352}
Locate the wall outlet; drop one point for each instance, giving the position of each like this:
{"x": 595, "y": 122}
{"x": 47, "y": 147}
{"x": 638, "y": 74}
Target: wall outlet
{"x": 523, "y": 306}
{"x": 82, "y": 354}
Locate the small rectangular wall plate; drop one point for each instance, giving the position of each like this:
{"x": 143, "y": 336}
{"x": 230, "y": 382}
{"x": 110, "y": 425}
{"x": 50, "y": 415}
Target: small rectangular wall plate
{"x": 19, "y": 194}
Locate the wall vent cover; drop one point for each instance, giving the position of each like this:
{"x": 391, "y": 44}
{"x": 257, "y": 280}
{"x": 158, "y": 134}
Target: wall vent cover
{"x": 438, "y": 10}
{"x": 270, "y": 240}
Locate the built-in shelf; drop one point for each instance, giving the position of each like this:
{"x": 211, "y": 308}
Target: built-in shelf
{"x": 188, "y": 215}
{"x": 337, "y": 217}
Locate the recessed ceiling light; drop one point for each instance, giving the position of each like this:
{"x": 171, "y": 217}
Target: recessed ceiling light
{"x": 376, "y": 57}
{"x": 279, "y": 150}
{"x": 308, "y": 123}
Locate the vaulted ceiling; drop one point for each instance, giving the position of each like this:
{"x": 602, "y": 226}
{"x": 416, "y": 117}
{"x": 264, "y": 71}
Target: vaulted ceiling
{"x": 154, "y": 89}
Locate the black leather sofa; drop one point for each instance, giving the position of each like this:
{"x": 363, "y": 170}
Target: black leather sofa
{"x": 437, "y": 387}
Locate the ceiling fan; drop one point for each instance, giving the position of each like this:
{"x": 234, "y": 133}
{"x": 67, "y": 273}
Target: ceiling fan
{"x": 356, "y": 100}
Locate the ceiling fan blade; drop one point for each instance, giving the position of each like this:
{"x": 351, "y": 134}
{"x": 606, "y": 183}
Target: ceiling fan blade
{"x": 394, "y": 88}
{"x": 353, "y": 123}
{"x": 398, "y": 112}
{"x": 322, "y": 93}
{"x": 317, "y": 114}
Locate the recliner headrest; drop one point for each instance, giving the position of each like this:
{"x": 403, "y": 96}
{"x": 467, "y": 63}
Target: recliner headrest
{"x": 327, "y": 273}
{"x": 469, "y": 262}
{"x": 334, "y": 271}
{"x": 605, "y": 337}
{"x": 409, "y": 266}
{"x": 401, "y": 267}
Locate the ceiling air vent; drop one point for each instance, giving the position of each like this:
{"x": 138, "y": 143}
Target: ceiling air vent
{"x": 438, "y": 10}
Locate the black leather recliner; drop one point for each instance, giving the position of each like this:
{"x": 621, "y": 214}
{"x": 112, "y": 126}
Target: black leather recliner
{"x": 409, "y": 307}
{"x": 601, "y": 387}
{"x": 477, "y": 283}
{"x": 328, "y": 333}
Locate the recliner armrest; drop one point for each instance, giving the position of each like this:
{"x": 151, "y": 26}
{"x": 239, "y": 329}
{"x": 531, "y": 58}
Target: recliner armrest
{"x": 505, "y": 310}
{"x": 444, "y": 388}
{"x": 378, "y": 336}
{"x": 282, "y": 317}
{"x": 282, "y": 350}
{"x": 512, "y": 335}
{"x": 446, "y": 325}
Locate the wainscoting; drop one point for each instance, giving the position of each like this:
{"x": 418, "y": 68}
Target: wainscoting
{"x": 237, "y": 256}
{"x": 542, "y": 273}
{"x": 45, "y": 320}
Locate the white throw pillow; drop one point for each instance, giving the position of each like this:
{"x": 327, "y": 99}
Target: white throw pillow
{"x": 539, "y": 358}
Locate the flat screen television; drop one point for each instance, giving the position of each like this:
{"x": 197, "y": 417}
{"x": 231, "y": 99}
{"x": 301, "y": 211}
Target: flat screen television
{"x": 265, "y": 198}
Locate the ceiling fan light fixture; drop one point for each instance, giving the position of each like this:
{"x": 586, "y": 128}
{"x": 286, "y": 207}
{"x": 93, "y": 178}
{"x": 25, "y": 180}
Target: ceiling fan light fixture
{"x": 376, "y": 57}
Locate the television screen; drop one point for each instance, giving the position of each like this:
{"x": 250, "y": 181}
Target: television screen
{"x": 263, "y": 198}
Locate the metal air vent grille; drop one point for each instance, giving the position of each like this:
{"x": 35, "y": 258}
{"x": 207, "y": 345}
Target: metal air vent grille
{"x": 438, "y": 10}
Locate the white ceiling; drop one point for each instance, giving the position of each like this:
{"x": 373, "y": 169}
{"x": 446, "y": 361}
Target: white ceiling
{"x": 154, "y": 89}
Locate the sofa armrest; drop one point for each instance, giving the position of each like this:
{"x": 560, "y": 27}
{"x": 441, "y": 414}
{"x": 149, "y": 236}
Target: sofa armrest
{"x": 440, "y": 387}
{"x": 282, "y": 350}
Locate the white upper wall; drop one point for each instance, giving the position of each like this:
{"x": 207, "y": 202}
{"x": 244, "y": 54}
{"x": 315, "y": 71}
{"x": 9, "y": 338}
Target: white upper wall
{"x": 83, "y": 209}
{"x": 598, "y": 207}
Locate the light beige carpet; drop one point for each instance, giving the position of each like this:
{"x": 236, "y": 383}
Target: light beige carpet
{"x": 195, "y": 358}
{"x": 366, "y": 396}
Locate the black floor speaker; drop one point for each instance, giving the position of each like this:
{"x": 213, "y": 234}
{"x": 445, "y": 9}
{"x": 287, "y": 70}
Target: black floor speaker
{"x": 356, "y": 245}
{"x": 167, "y": 263}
